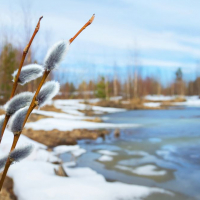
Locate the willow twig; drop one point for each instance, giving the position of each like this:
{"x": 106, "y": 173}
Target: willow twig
{"x": 87, "y": 24}
{"x": 25, "y": 51}
{"x": 8, "y": 163}
{"x": 34, "y": 104}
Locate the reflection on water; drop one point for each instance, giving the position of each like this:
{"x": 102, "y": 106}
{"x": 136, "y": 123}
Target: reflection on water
{"x": 164, "y": 153}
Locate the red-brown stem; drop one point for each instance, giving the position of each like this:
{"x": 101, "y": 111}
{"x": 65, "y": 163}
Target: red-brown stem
{"x": 25, "y": 51}
{"x": 8, "y": 163}
{"x": 87, "y": 24}
{"x": 7, "y": 117}
{"x": 33, "y": 105}
{"x": 15, "y": 140}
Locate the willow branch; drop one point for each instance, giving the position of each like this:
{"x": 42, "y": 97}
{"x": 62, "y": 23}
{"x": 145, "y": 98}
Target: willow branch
{"x": 86, "y": 25}
{"x": 25, "y": 51}
{"x": 8, "y": 163}
{"x": 46, "y": 73}
{"x": 34, "y": 104}
{"x": 7, "y": 117}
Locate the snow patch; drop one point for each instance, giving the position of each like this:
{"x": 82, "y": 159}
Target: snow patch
{"x": 105, "y": 158}
{"x": 147, "y": 170}
{"x": 108, "y": 153}
{"x": 152, "y": 104}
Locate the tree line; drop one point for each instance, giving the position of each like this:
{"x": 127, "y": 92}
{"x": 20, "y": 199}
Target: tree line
{"x": 131, "y": 86}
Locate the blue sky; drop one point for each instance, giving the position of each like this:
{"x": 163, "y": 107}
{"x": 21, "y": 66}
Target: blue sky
{"x": 165, "y": 34}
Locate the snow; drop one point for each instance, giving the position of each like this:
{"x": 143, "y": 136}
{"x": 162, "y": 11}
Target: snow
{"x": 159, "y": 97}
{"x": 74, "y": 149}
{"x": 147, "y": 170}
{"x": 191, "y": 101}
{"x": 106, "y": 152}
{"x": 105, "y": 158}
{"x": 106, "y": 155}
{"x": 152, "y": 104}
{"x": 68, "y": 125}
{"x": 72, "y": 105}
{"x": 36, "y": 180}
{"x": 34, "y": 177}
{"x": 78, "y": 152}
{"x": 74, "y": 119}
{"x": 65, "y": 148}
{"x": 60, "y": 115}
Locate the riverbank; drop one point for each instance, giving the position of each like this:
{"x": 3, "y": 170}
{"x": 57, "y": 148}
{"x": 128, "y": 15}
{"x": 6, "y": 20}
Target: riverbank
{"x": 50, "y": 128}
{"x": 55, "y": 128}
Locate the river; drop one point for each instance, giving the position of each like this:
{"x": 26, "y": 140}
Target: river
{"x": 163, "y": 152}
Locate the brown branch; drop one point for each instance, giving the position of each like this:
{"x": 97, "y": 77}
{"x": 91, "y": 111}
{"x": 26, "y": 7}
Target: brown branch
{"x": 25, "y": 51}
{"x": 46, "y": 73}
{"x": 34, "y": 104}
{"x": 87, "y": 24}
{"x": 7, "y": 117}
{"x": 8, "y": 163}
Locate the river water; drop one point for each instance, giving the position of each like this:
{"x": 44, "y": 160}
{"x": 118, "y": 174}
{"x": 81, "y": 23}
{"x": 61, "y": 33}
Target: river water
{"x": 163, "y": 152}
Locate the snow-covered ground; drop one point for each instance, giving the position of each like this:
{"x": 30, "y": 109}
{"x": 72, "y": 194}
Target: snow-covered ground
{"x": 34, "y": 178}
{"x": 191, "y": 101}
{"x": 152, "y": 104}
{"x": 159, "y": 97}
{"x": 106, "y": 155}
{"x": 74, "y": 105}
{"x": 146, "y": 170}
{"x": 72, "y": 118}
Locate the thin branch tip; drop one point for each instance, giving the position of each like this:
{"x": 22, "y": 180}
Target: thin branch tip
{"x": 41, "y": 18}
{"x": 92, "y": 18}
{"x": 85, "y": 26}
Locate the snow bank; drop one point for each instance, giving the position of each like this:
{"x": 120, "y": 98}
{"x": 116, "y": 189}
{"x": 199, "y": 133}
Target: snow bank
{"x": 68, "y": 125}
{"x": 34, "y": 177}
{"x": 159, "y": 97}
{"x": 74, "y": 149}
{"x": 191, "y": 101}
{"x": 73, "y": 105}
{"x": 106, "y": 152}
{"x": 60, "y": 115}
{"x": 147, "y": 170}
{"x": 105, "y": 158}
{"x": 36, "y": 180}
{"x": 152, "y": 104}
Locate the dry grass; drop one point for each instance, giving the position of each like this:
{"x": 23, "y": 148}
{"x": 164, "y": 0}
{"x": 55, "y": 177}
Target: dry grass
{"x": 56, "y": 137}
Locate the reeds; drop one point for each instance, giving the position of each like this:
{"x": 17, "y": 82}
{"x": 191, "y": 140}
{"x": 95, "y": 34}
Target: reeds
{"x": 20, "y": 107}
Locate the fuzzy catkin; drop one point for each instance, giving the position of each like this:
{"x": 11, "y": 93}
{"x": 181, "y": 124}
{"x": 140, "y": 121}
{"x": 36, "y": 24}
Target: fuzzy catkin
{"x": 17, "y": 120}
{"x": 55, "y": 55}
{"x": 3, "y": 161}
{"x": 47, "y": 92}
{"x": 18, "y": 101}
{"x": 29, "y": 73}
{"x": 20, "y": 153}
{"x": 2, "y": 118}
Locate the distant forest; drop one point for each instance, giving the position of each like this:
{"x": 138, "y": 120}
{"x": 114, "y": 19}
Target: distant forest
{"x": 133, "y": 86}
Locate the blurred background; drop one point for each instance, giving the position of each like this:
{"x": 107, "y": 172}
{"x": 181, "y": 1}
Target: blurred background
{"x": 139, "y": 55}
{"x": 135, "y": 47}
